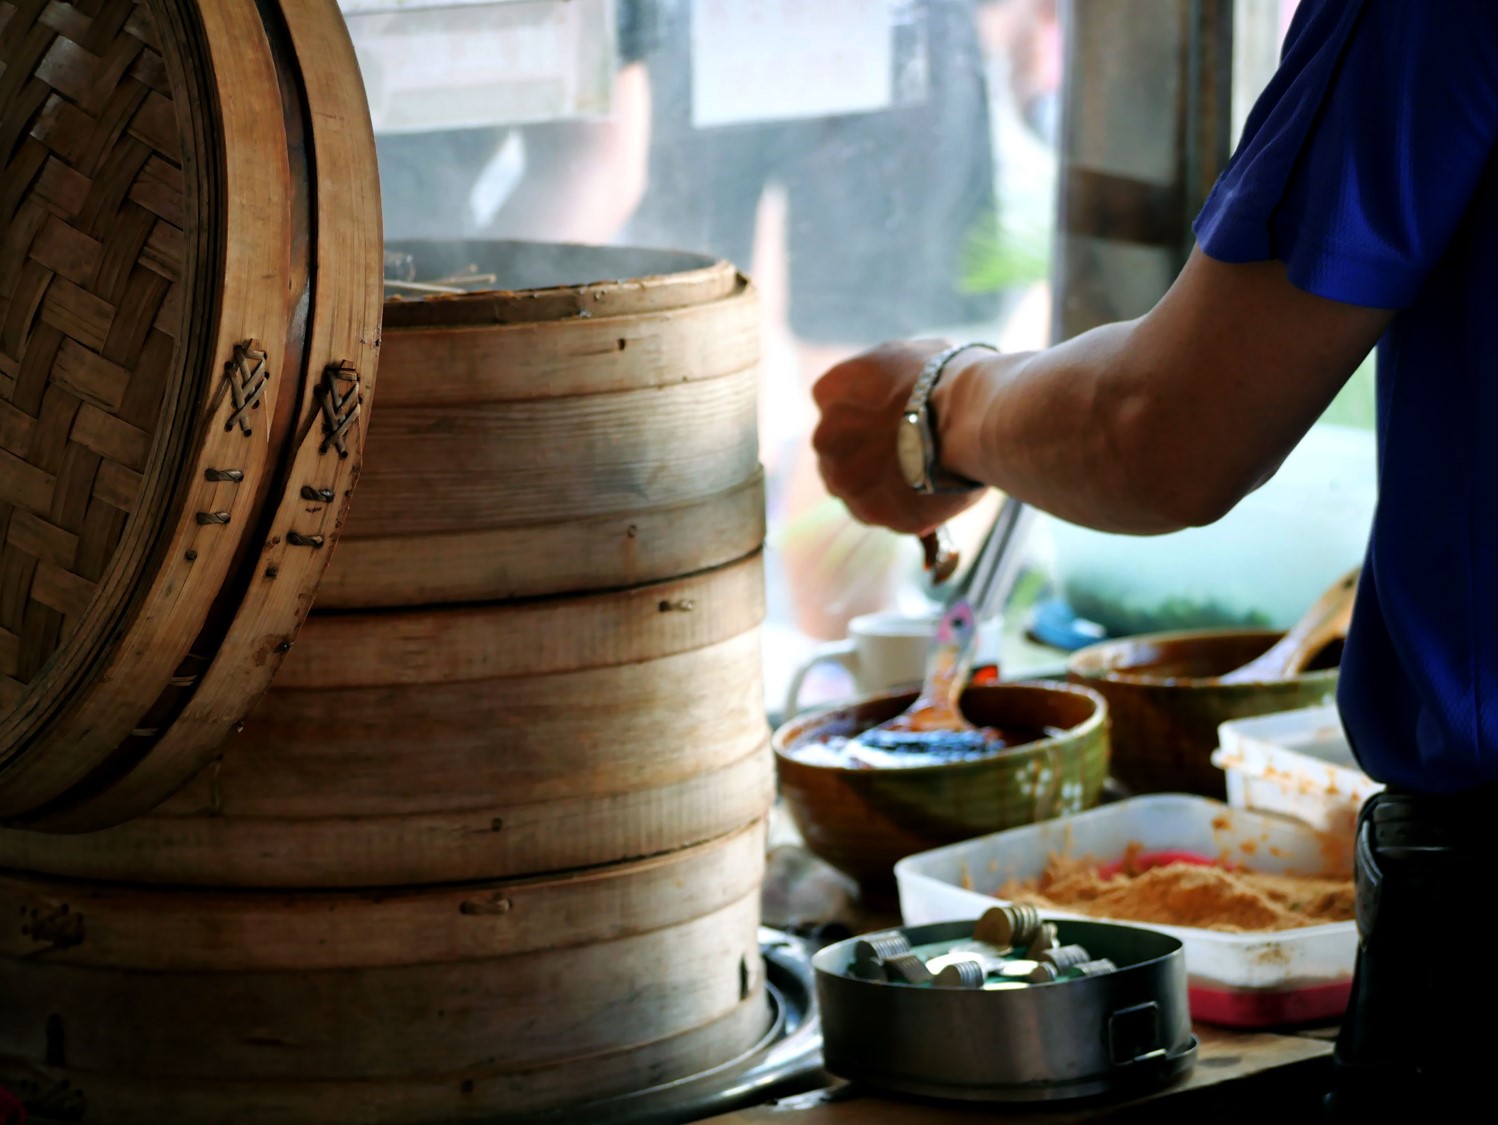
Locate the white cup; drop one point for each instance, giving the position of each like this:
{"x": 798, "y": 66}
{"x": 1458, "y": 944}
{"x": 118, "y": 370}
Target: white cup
{"x": 883, "y": 652}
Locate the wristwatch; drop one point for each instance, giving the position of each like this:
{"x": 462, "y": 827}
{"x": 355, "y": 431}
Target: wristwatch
{"x": 916, "y": 441}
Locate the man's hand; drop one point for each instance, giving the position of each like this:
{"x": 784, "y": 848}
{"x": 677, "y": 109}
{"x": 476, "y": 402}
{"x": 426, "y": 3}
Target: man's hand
{"x": 1143, "y": 427}
{"x": 861, "y": 401}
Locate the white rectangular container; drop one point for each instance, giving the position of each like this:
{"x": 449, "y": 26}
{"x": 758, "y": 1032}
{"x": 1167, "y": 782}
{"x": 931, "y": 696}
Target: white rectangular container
{"x": 1239, "y": 980}
{"x": 1295, "y": 763}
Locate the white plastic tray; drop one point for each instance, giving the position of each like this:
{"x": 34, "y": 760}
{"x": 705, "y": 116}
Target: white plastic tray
{"x": 1238, "y": 979}
{"x": 1295, "y": 763}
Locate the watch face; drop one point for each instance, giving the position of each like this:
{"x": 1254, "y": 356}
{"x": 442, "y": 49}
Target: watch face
{"x": 911, "y": 448}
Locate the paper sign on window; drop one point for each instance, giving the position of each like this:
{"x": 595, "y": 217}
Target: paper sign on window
{"x": 767, "y": 60}
{"x": 466, "y": 64}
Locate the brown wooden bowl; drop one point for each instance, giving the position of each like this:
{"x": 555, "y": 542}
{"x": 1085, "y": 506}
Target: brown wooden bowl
{"x": 1166, "y": 703}
{"x": 863, "y": 820}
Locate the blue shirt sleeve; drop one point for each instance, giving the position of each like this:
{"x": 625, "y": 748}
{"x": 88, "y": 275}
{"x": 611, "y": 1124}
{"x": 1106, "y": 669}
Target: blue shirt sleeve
{"x": 1363, "y": 154}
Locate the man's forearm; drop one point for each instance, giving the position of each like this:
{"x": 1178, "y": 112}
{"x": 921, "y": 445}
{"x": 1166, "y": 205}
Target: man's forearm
{"x": 1059, "y": 429}
{"x": 1144, "y": 427}
{"x": 1161, "y": 423}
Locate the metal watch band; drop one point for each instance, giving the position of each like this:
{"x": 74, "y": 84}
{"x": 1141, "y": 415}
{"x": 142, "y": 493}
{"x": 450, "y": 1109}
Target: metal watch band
{"x": 926, "y": 383}
{"x": 940, "y": 481}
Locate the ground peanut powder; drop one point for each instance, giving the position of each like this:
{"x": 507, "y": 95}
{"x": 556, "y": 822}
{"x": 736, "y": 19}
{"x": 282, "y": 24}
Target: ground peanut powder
{"x": 1186, "y": 894}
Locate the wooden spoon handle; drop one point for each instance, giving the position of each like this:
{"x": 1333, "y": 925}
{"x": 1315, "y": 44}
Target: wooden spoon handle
{"x": 1324, "y": 622}
{"x": 948, "y": 663}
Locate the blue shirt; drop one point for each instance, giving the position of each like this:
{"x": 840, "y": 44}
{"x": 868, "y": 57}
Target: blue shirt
{"x": 1368, "y": 168}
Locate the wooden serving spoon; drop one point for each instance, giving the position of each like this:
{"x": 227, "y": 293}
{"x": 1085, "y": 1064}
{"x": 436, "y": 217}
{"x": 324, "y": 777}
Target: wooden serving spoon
{"x": 934, "y": 722}
{"x": 1323, "y": 623}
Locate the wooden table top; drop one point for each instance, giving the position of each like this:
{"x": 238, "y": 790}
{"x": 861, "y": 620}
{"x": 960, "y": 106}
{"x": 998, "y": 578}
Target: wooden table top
{"x": 1237, "y": 1074}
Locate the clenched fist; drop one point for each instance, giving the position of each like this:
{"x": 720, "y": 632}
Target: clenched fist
{"x": 861, "y": 401}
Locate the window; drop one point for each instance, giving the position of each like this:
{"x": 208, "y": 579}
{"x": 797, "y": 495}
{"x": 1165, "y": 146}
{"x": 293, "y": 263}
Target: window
{"x": 881, "y": 168}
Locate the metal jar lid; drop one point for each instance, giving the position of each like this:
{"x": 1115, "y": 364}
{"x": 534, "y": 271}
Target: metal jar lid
{"x": 190, "y": 305}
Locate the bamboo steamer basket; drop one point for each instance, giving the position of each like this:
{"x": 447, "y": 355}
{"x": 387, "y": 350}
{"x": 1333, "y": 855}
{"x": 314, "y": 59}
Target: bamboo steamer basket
{"x": 463, "y": 1003}
{"x": 555, "y": 437}
{"x": 491, "y": 739}
{"x": 188, "y": 335}
{"x": 489, "y": 742}
{"x": 472, "y": 856}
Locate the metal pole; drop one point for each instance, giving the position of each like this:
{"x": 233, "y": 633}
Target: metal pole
{"x": 1146, "y": 127}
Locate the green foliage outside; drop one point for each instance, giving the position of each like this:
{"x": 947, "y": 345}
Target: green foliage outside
{"x": 1005, "y": 251}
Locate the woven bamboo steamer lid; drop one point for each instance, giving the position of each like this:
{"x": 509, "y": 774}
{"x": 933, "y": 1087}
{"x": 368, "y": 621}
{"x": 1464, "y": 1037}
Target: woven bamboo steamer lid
{"x": 190, "y": 306}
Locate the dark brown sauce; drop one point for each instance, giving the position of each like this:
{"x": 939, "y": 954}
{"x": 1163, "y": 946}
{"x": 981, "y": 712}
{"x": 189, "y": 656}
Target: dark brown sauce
{"x": 907, "y": 749}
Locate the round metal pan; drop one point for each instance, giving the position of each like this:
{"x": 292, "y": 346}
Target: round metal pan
{"x": 1118, "y": 1034}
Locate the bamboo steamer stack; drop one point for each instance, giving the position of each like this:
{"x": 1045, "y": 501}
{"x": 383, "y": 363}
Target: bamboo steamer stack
{"x": 492, "y": 843}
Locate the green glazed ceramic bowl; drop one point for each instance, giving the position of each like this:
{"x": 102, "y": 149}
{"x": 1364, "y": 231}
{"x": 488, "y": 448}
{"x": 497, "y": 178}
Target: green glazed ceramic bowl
{"x": 863, "y": 820}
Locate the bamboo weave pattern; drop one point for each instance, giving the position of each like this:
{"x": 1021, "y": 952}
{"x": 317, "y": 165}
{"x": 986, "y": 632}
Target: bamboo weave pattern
{"x": 91, "y": 253}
